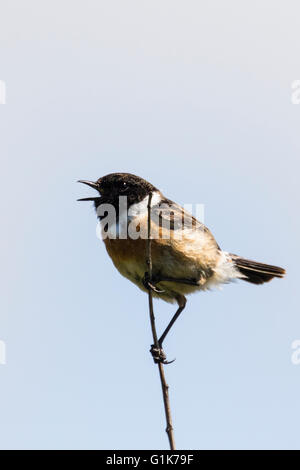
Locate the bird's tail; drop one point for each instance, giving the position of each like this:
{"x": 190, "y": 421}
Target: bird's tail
{"x": 254, "y": 272}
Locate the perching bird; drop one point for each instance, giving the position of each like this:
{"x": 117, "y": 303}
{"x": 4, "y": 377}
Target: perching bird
{"x": 185, "y": 256}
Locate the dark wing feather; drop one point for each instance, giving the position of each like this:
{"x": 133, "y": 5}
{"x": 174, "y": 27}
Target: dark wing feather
{"x": 172, "y": 216}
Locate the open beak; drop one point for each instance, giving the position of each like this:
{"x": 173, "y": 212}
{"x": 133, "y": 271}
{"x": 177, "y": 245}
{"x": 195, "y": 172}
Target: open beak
{"x": 92, "y": 185}
{"x": 89, "y": 183}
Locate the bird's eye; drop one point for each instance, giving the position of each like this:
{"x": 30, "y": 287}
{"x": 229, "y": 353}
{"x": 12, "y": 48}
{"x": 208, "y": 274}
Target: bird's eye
{"x": 124, "y": 184}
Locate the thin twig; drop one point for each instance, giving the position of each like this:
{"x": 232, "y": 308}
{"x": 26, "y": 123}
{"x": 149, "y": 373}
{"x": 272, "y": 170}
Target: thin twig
{"x": 164, "y": 385}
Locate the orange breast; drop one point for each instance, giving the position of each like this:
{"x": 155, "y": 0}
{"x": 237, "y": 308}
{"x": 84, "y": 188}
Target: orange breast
{"x": 124, "y": 251}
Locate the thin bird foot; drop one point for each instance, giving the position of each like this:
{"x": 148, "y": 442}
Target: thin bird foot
{"x": 159, "y": 355}
{"x": 150, "y": 285}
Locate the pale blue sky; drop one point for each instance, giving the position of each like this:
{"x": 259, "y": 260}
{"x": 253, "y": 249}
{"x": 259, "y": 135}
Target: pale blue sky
{"x": 196, "y": 98}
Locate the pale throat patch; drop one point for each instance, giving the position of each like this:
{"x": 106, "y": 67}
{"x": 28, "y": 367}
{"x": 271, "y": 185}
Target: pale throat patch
{"x": 130, "y": 213}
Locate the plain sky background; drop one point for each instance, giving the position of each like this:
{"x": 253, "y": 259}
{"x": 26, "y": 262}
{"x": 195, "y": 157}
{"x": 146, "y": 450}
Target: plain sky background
{"x": 194, "y": 96}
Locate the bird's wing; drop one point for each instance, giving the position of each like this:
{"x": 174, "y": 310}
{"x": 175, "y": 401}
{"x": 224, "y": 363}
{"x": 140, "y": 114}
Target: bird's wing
{"x": 171, "y": 216}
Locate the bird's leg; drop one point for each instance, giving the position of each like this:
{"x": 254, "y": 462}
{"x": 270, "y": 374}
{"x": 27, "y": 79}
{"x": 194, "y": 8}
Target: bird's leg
{"x": 181, "y": 300}
{"x": 158, "y": 353}
{"x": 181, "y": 305}
{"x": 150, "y": 284}
{"x": 190, "y": 282}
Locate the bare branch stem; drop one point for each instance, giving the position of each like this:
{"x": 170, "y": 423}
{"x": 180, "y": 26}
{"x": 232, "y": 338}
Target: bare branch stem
{"x": 164, "y": 385}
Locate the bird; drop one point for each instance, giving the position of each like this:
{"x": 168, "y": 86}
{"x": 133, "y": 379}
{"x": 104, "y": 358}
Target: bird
{"x": 185, "y": 255}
